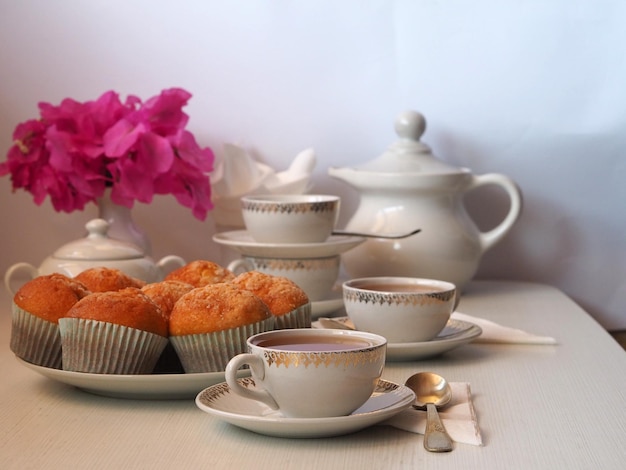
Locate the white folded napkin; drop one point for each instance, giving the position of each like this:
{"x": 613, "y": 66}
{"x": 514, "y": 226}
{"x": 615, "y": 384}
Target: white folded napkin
{"x": 496, "y": 333}
{"x": 458, "y": 417}
{"x": 492, "y": 332}
{"x": 238, "y": 173}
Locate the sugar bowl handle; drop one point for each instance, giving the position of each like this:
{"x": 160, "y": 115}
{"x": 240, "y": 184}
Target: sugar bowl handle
{"x": 169, "y": 263}
{"x": 19, "y": 270}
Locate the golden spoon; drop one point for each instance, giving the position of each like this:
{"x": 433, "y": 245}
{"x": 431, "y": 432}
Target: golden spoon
{"x": 431, "y": 392}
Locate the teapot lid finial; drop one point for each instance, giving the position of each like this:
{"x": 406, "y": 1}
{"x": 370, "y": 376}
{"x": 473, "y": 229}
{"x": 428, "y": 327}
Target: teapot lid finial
{"x": 409, "y": 154}
{"x": 97, "y": 228}
{"x": 410, "y": 125}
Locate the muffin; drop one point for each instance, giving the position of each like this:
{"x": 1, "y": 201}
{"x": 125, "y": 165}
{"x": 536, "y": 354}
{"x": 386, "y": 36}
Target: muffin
{"x": 103, "y": 279}
{"x": 113, "y": 332}
{"x": 37, "y": 307}
{"x": 200, "y": 273}
{"x": 210, "y": 325}
{"x": 285, "y": 299}
{"x": 165, "y": 294}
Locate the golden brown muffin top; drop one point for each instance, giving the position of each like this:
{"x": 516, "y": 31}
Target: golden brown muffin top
{"x": 200, "y": 273}
{"x": 166, "y": 293}
{"x": 50, "y": 297}
{"x": 128, "y": 307}
{"x": 216, "y": 307}
{"x": 103, "y": 279}
{"x": 281, "y": 294}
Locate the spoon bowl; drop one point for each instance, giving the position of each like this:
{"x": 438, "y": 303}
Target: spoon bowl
{"x": 431, "y": 392}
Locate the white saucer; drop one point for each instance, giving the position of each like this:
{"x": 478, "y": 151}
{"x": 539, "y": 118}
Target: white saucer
{"x": 242, "y": 242}
{"x": 140, "y": 387}
{"x": 455, "y": 333}
{"x": 252, "y": 415}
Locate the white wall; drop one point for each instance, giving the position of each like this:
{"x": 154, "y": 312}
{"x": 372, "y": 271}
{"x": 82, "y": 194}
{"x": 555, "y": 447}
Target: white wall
{"x": 531, "y": 89}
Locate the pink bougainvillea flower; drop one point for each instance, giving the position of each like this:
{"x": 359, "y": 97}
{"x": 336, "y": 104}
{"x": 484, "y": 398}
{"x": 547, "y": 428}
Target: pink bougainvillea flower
{"x": 164, "y": 112}
{"x": 152, "y": 156}
{"x": 75, "y": 150}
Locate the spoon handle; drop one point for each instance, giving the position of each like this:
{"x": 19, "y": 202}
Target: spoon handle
{"x": 391, "y": 236}
{"x": 436, "y": 439}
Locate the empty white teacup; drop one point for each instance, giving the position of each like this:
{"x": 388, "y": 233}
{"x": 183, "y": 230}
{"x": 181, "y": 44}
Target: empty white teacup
{"x": 290, "y": 218}
{"x": 402, "y": 309}
{"x": 311, "y": 373}
{"x": 315, "y": 276}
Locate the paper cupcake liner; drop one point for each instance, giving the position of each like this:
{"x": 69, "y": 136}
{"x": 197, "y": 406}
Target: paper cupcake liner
{"x": 210, "y": 352}
{"x": 34, "y": 339}
{"x": 298, "y": 318}
{"x": 105, "y": 348}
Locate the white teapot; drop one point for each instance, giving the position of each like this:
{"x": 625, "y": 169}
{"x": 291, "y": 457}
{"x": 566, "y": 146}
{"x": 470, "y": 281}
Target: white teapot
{"x": 97, "y": 249}
{"x": 408, "y": 188}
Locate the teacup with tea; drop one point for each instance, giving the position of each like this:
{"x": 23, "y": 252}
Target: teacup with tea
{"x": 311, "y": 373}
{"x": 402, "y": 309}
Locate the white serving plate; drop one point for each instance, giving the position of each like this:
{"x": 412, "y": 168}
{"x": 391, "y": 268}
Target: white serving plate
{"x": 140, "y": 387}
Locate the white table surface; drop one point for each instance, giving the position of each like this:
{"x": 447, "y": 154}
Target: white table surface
{"x": 539, "y": 407}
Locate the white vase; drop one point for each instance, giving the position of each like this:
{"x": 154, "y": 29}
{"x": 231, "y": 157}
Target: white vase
{"x": 121, "y": 223}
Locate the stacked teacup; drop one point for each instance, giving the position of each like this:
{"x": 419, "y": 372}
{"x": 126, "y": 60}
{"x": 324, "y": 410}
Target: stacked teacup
{"x": 303, "y": 220}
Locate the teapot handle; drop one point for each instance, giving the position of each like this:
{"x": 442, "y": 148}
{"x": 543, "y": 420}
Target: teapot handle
{"x": 493, "y": 236}
{"x": 169, "y": 263}
{"x": 17, "y": 269}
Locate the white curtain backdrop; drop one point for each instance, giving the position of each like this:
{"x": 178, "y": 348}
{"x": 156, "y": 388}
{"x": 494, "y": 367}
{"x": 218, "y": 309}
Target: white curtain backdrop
{"x": 532, "y": 89}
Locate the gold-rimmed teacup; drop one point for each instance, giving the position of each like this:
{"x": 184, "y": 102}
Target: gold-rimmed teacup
{"x": 402, "y": 309}
{"x": 290, "y": 218}
{"x": 315, "y": 276}
{"x": 311, "y": 373}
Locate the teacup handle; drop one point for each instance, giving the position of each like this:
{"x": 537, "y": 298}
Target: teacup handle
{"x": 240, "y": 265}
{"x": 25, "y": 268}
{"x": 169, "y": 263}
{"x": 493, "y": 236}
{"x": 258, "y": 372}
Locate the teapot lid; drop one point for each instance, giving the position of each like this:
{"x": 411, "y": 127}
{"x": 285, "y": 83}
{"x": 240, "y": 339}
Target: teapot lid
{"x": 98, "y": 245}
{"x": 409, "y": 154}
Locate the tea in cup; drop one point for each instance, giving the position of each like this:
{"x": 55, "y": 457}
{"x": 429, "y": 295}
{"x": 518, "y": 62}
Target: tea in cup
{"x": 402, "y": 309}
{"x": 315, "y": 276}
{"x": 311, "y": 373}
{"x": 290, "y": 218}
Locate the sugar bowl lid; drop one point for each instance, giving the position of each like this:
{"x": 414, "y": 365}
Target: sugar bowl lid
{"x": 97, "y": 245}
{"x": 409, "y": 154}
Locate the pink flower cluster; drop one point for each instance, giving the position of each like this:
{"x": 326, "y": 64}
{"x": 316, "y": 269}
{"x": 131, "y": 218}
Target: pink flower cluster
{"x": 74, "y": 151}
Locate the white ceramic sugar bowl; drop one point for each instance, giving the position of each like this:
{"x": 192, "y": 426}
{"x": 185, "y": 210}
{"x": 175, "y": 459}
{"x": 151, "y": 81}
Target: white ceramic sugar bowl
{"x": 407, "y": 188}
{"x": 97, "y": 249}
